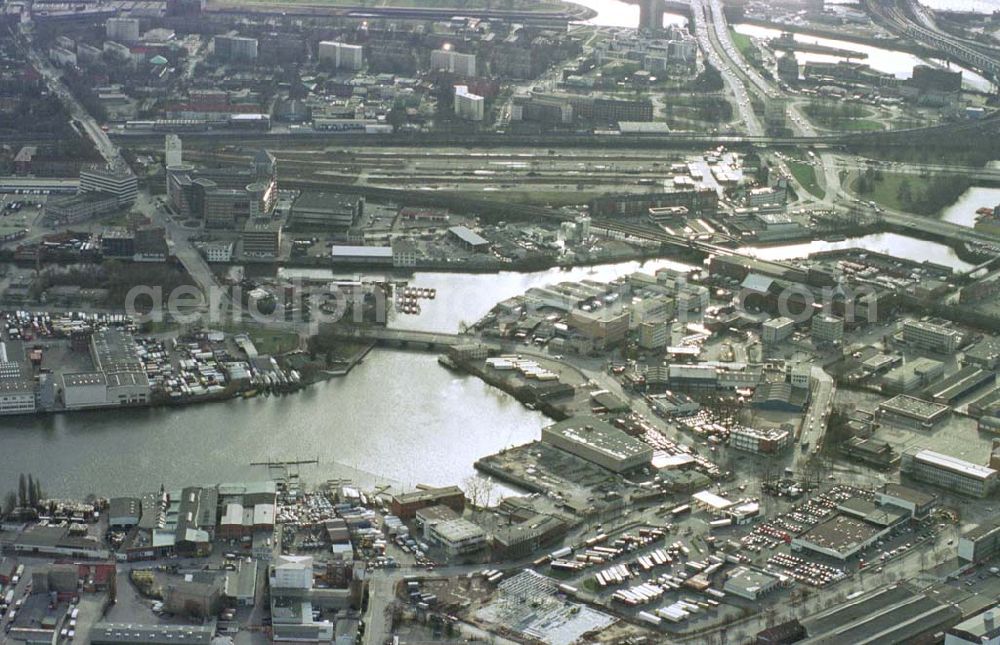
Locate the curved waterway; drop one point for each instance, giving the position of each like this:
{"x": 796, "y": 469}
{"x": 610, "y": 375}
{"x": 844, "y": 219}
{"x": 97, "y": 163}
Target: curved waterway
{"x": 614, "y": 13}
{"x": 398, "y": 418}
{"x": 889, "y": 61}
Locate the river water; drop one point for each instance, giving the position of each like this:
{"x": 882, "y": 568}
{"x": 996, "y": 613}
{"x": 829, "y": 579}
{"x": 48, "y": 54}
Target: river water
{"x": 397, "y": 419}
{"x": 889, "y": 61}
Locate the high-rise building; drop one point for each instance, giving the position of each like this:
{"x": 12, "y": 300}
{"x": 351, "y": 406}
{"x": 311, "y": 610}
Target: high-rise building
{"x": 235, "y": 48}
{"x": 651, "y": 15}
{"x": 173, "y": 155}
{"x": 341, "y": 55}
{"x": 445, "y": 60}
{"x": 827, "y": 329}
{"x": 123, "y": 30}
{"x": 469, "y": 106}
{"x": 118, "y": 181}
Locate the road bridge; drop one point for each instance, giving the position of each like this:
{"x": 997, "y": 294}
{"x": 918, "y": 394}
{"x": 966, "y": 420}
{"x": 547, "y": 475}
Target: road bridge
{"x": 893, "y": 14}
{"x": 402, "y": 337}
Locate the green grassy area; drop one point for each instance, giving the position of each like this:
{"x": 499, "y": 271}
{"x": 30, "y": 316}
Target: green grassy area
{"x": 805, "y": 174}
{"x": 743, "y": 43}
{"x": 274, "y": 342}
{"x": 860, "y": 125}
{"x": 923, "y": 195}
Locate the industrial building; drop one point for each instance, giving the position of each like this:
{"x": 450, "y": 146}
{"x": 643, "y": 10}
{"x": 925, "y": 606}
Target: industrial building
{"x": 950, "y": 473}
{"x": 910, "y": 412}
{"x": 599, "y": 442}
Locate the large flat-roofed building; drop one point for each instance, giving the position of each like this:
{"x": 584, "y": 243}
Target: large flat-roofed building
{"x": 962, "y": 383}
{"x": 896, "y": 614}
{"x": 840, "y": 537}
{"x": 911, "y": 412}
{"x": 931, "y": 337}
{"x": 119, "y": 633}
{"x": 325, "y": 211}
{"x": 373, "y": 255}
{"x": 599, "y": 442}
{"x": 947, "y": 472}
{"x": 980, "y": 543}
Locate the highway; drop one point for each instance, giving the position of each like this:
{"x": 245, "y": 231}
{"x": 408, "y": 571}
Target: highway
{"x": 706, "y": 26}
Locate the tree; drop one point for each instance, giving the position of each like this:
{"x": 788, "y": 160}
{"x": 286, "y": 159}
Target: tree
{"x": 22, "y": 491}
{"x": 32, "y": 500}
{"x": 9, "y": 503}
{"x": 904, "y": 194}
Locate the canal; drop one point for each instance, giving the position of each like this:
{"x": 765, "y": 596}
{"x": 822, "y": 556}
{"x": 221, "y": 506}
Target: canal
{"x": 398, "y": 418}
